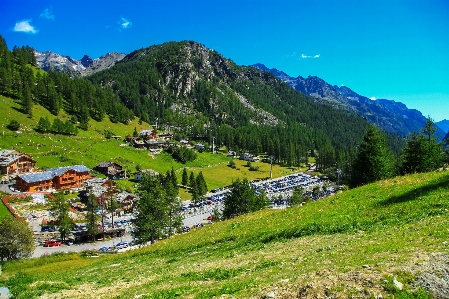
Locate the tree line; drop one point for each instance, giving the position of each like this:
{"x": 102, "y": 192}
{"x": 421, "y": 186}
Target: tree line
{"x": 22, "y": 80}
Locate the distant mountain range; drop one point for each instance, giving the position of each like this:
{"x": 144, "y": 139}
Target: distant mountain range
{"x": 443, "y": 125}
{"x": 391, "y": 116}
{"x": 75, "y": 68}
{"x": 388, "y": 115}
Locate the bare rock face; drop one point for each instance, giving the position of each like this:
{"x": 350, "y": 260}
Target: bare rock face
{"x": 76, "y": 68}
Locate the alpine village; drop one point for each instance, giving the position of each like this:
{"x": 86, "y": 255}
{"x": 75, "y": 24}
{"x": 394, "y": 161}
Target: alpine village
{"x": 172, "y": 172}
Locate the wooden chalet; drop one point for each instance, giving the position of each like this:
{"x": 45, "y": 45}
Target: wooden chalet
{"x": 148, "y": 134}
{"x": 53, "y": 179}
{"x": 111, "y": 170}
{"x": 13, "y": 162}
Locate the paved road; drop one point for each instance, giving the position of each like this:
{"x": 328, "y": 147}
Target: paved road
{"x": 40, "y": 250}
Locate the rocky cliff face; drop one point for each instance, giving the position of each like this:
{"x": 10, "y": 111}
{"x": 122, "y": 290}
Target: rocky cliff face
{"x": 76, "y": 68}
{"x": 388, "y": 115}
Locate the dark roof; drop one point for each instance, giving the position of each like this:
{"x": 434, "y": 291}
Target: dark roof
{"x": 104, "y": 164}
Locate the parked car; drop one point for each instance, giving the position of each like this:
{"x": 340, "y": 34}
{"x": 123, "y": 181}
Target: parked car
{"x": 52, "y": 243}
{"x": 47, "y": 228}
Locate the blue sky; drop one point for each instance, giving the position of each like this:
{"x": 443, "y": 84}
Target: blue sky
{"x": 383, "y": 49}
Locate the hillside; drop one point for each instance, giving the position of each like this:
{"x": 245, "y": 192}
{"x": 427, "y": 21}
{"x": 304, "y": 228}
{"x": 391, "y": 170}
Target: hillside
{"x": 388, "y": 115}
{"x": 197, "y": 94}
{"x": 188, "y": 86}
{"x": 90, "y": 147}
{"x": 355, "y": 244}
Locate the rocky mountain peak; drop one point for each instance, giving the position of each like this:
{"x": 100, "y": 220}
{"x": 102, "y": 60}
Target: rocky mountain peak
{"x": 86, "y": 61}
{"x": 76, "y": 68}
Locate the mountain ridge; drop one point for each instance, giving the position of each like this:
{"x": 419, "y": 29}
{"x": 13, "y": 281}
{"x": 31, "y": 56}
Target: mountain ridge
{"x": 76, "y": 68}
{"x": 389, "y": 115}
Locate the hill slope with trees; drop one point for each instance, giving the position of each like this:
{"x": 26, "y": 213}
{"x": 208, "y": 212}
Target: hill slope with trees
{"x": 354, "y": 244}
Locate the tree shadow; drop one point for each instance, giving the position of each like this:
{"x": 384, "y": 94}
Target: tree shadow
{"x": 442, "y": 182}
{"x": 20, "y": 109}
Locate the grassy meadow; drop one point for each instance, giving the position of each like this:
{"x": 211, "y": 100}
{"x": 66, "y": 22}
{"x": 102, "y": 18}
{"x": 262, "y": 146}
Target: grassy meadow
{"x": 91, "y": 147}
{"x": 350, "y": 245}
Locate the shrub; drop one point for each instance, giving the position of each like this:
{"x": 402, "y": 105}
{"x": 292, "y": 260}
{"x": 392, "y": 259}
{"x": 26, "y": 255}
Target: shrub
{"x": 14, "y": 125}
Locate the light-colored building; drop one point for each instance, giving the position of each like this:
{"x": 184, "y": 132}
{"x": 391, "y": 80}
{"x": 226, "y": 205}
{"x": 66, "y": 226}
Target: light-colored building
{"x": 13, "y": 162}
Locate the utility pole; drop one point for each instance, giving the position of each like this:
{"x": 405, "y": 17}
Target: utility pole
{"x": 338, "y": 177}
{"x": 156, "y": 123}
{"x": 213, "y": 144}
{"x": 271, "y": 167}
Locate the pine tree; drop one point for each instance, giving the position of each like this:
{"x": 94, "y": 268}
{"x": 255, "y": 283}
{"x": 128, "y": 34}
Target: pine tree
{"x": 152, "y": 210}
{"x": 374, "y": 161}
{"x": 91, "y": 216}
{"x": 422, "y": 152}
{"x": 174, "y": 182}
{"x": 185, "y": 178}
{"x": 59, "y": 209}
{"x": 5, "y": 68}
{"x": 201, "y": 184}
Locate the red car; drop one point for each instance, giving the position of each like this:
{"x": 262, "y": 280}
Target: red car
{"x": 52, "y": 243}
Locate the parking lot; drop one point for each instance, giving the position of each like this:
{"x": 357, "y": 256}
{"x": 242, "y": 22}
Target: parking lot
{"x": 194, "y": 215}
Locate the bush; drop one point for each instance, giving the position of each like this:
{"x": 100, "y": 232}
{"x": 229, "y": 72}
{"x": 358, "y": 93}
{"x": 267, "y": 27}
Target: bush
{"x": 14, "y": 125}
{"x": 182, "y": 154}
{"x": 254, "y": 168}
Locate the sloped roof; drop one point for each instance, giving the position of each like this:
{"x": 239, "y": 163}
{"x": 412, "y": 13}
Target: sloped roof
{"x": 51, "y": 173}
{"x": 104, "y": 164}
{"x": 9, "y": 156}
{"x": 4, "y": 153}
{"x": 37, "y": 177}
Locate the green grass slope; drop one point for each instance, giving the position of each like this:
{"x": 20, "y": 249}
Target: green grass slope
{"x": 91, "y": 147}
{"x": 350, "y": 245}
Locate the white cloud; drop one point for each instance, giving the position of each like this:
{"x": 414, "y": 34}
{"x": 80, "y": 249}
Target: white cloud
{"x": 125, "y": 24}
{"x": 47, "y": 14}
{"x": 25, "y": 26}
{"x": 372, "y": 98}
{"x": 307, "y": 56}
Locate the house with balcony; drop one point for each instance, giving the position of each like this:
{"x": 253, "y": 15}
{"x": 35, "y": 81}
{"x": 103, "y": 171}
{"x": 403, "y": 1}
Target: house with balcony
{"x": 13, "y": 162}
{"x": 61, "y": 178}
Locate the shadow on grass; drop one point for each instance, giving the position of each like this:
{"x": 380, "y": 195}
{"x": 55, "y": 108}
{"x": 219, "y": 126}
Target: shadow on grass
{"x": 442, "y": 182}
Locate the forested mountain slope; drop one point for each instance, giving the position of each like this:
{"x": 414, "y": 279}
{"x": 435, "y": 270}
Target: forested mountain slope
{"x": 187, "y": 85}
{"x": 388, "y": 115}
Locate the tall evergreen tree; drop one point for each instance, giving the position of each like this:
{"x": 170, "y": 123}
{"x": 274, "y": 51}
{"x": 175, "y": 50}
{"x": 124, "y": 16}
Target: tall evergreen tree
{"x": 422, "y": 152}
{"x": 153, "y": 210}
{"x": 59, "y": 209}
{"x": 374, "y": 161}
{"x": 5, "y": 68}
{"x": 91, "y": 216}
{"x": 185, "y": 177}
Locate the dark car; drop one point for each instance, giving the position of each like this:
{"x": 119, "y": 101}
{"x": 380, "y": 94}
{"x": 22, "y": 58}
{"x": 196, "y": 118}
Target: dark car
{"x": 47, "y": 228}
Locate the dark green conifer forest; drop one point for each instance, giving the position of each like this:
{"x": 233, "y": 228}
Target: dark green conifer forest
{"x": 199, "y": 95}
